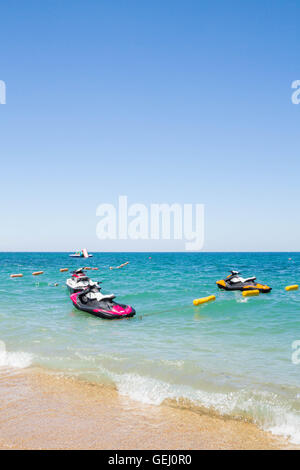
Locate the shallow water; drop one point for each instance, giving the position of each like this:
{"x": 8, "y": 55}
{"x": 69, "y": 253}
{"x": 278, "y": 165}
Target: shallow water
{"x": 233, "y": 355}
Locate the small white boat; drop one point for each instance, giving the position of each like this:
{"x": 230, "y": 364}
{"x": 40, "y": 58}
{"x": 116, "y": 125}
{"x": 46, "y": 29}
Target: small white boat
{"x": 81, "y": 254}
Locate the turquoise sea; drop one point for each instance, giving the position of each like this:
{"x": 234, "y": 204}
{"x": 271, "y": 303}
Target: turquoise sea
{"x": 232, "y": 356}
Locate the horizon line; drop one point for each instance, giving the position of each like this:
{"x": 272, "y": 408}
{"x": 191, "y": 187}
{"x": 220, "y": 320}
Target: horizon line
{"x": 136, "y": 252}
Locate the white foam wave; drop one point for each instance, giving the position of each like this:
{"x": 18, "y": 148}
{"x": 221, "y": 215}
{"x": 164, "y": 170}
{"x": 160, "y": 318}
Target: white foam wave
{"x": 264, "y": 408}
{"x": 153, "y": 391}
{"x": 18, "y": 360}
{"x": 286, "y": 425}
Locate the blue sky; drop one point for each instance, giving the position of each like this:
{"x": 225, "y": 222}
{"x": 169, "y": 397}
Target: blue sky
{"x": 174, "y": 101}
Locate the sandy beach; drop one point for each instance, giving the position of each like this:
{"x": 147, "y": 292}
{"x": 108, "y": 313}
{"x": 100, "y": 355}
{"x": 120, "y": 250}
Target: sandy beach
{"x": 43, "y": 410}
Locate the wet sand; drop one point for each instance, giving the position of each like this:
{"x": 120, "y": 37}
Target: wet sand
{"x": 41, "y": 410}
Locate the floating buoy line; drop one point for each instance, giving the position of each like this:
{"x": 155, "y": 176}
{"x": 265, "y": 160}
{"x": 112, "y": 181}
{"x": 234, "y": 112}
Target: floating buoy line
{"x": 245, "y": 293}
{"x": 39, "y": 273}
{"x": 200, "y": 301}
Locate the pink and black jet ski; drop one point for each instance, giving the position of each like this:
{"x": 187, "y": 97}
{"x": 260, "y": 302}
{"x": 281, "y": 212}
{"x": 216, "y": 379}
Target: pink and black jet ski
{"x": 91, "y": 300}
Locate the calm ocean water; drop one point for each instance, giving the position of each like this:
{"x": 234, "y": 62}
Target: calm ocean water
{"x": 232, "y": 355}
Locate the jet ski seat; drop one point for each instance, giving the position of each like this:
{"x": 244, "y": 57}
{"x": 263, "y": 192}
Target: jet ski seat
{"x": 236, "y": 279}
{"x": 98, "y": 296}
{"x": 248, "y": 279}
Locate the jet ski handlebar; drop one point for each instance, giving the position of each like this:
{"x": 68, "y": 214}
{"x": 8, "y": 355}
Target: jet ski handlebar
{"x": 89, "y": 288}
{"x": 85, "y": 291}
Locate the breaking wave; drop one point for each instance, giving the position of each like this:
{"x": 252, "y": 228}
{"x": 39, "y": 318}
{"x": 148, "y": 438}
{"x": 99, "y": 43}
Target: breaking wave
{"x": 265, "y": 409}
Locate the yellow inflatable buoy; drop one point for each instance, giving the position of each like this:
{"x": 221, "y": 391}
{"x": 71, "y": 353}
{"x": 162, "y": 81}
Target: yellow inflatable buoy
{"x": 294, "y": 287}
{"x": 203, "y": 300}
{"x": 37, "y": 273}
{"x": 248, "y": 293}
{"x": 16, "y": 275}
{"x": 63, "y": 270}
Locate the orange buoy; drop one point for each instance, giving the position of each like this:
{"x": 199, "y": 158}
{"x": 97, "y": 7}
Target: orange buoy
{"x": 293, "y": 287}
{"x": 121, "y": 265}
{"x": 95, "y": 269}
{"x": 16, "y": 275}
{"x": 37, "y": 273}
{"x": 87, "y": 268}
{"x": 63, "y": 270}
{"x": 250, "y": 293}
{"x": 203, "y": 300}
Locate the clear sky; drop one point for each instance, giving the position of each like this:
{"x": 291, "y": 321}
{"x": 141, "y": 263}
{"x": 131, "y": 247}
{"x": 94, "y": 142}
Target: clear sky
{"x": 162, "y": 101}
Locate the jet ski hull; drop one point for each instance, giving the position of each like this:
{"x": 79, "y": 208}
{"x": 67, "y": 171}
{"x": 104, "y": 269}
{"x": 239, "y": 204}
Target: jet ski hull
{"x": 103, "y": 309}
{"x": 222, "y": 284}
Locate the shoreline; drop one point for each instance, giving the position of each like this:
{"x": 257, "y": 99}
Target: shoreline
{"x": 44, "y": 410}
